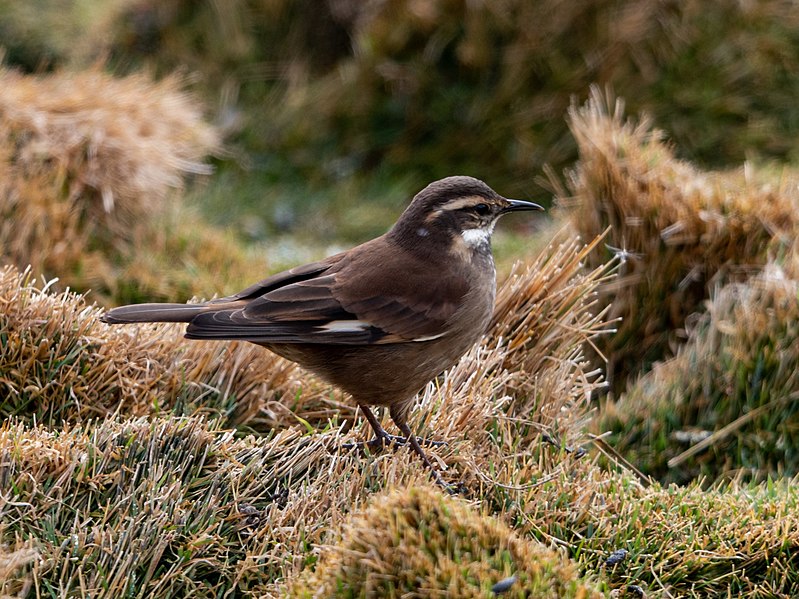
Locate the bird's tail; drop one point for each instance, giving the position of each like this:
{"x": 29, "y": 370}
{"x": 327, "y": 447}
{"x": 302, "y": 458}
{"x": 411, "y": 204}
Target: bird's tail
{"x": 153, "y": 313}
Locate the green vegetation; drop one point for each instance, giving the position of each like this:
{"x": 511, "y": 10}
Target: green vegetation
{"x": 418, "y": 539}
{"x": 338, "y": 99}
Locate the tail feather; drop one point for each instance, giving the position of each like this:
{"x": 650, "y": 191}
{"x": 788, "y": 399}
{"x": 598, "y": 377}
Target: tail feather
{"x": 153, "y": 313}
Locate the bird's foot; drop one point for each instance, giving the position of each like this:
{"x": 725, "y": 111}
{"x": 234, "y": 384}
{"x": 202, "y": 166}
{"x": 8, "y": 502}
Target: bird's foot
{"x": 378, "y": 443}
{"x": 450, "y": 488}
{"x": 386, "y": 440}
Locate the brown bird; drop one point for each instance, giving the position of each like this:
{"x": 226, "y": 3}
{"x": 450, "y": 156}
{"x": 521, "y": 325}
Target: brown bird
{"x": 380, "y": 320}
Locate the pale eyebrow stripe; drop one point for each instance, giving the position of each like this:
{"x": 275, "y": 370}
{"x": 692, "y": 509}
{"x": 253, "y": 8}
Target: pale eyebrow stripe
{"x": 458, "y": 203}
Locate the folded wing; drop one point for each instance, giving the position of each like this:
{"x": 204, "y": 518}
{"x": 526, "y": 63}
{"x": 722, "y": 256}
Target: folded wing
{"x": 338, "y": 301}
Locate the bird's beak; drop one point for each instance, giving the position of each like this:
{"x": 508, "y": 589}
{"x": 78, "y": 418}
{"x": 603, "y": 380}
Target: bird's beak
{"x": 519, "y": 205}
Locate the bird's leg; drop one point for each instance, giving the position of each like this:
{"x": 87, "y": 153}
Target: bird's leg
{"x": 406, "y": 430}
{"x": 381, "y": 439}
{"x": 578, "y": 452}
{"x": 398, "y": 413}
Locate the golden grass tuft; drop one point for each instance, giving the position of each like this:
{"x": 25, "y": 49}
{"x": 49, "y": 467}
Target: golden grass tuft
{"x": 419, "y": 542}
{"x": 546, "y": 316}
{"x": 681, "y": 230}
{"x": 58, "y": 362}
{"x": 177, "y": 506}
{"x": 726, "y": 405}
{"x": 86, "y": 160}
{"x": 161, "y": 507}
{"x": 101, "y": 133}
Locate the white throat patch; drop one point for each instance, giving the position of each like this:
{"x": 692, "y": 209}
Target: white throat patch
{"x": 475, "y": 238}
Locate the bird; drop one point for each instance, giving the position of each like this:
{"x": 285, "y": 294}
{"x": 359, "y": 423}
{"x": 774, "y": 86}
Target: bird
{"x": 380, "y": 320}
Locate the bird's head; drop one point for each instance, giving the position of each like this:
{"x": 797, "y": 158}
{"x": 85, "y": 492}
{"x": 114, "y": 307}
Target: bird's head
{"x": 459, "y": 212}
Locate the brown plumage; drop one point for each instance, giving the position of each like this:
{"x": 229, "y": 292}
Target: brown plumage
{"x": 379, "y": 320}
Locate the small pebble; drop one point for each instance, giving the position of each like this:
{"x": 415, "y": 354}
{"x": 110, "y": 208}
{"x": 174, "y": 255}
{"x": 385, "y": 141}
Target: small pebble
{"x": 504, "y": 585}
{"x": 616, "y": 557}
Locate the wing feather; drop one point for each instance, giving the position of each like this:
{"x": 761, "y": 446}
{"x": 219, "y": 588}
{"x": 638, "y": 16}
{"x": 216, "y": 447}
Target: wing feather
{"x": 375, "y": 293}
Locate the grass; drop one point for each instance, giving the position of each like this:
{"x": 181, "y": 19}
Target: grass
{"x": 136, "y": 463}
{"x": 681, "y": 231}
{"x": 179, "y": 504}
{"x": 90, "y": 174}
{"x": 416, "y": 541}
{"x": 74, "y": 368}
{"x": 477, "y": 406}
{"x": 725, "y": 406}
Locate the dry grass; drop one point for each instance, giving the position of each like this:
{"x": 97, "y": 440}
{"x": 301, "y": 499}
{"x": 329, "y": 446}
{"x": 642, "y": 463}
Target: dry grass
{"x": 74, "y": 368}
{"x": 683, "y": 230}
{"x": 59, "y": 363}
{"x": 14, "y": 567}
{"x": 159, "y": 507}
{"x": 737, "y": 541}
{"x": 88, "y": 161}
{"x": 166, "y": 505}
{"x": 176, "y": 506}
{"x": 726, "y": 405}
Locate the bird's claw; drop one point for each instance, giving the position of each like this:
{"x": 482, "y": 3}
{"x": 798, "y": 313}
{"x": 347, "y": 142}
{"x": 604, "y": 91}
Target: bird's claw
{"x": 386, "y": 440}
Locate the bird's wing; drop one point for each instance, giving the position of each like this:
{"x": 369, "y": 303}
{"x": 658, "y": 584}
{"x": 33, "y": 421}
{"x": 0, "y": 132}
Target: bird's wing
{"x": 282, "y": 279}
{"x": 358, "y": 298}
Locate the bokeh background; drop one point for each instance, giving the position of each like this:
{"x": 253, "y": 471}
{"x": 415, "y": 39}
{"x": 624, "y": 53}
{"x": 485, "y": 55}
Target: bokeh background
{"x": 328, "y": 106}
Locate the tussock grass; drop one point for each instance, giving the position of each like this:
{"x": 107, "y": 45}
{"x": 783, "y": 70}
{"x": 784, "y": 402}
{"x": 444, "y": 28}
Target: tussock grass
{"x": 177, "y": 256}
{"x": 682, "y": 230}
{"x": 417, "y": 541}
{"x": 159, "y": 507}
{"x": 58, "y": 362}
{"x": 175, "y": 505}
{"x": 119, "y": 504}
{"x": 726, "y": 405}
{"x": 729, "y": 540}
{"x": 88, "y": 171}
{"x": 39, "y": 34}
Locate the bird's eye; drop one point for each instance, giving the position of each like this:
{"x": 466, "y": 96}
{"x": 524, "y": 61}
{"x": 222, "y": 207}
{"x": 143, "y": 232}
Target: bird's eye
{"x": 481, "y": 209}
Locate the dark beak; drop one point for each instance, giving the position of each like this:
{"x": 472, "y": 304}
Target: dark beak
{"x": 519, "y": 205}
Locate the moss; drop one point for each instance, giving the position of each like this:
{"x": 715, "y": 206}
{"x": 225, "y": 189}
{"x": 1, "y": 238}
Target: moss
{"x": 418, "y": 542}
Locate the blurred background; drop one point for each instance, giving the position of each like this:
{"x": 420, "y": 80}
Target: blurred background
{"x": 332, "y": 113}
